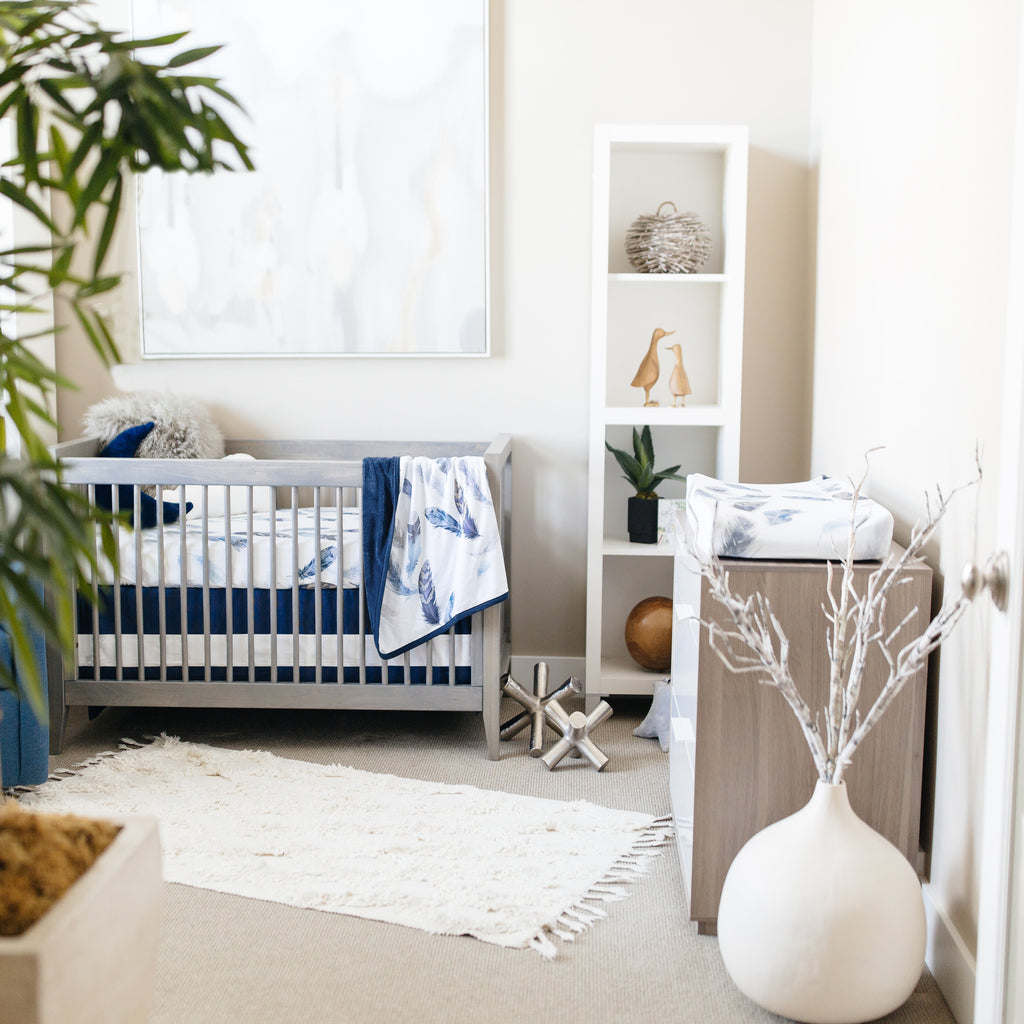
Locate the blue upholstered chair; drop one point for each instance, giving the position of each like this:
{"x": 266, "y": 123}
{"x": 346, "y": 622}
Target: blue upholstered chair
{"x": 24, "y": 742}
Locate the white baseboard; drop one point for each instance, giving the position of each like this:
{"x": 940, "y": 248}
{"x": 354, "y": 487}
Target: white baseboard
{"x": 949, "y": 959}
{"x": 559, "y": 669}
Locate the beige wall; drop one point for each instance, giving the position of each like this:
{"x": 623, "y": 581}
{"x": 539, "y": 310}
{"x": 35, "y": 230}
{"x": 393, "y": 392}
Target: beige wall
{"x": 560, "y": 68}
{"x": 914, "y": 114}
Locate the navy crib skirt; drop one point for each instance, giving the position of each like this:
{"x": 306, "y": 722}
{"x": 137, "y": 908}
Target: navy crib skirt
{"x": 270, "y": 607}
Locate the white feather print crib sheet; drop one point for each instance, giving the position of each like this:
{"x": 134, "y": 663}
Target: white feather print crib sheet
{"x": 272, "y": 551}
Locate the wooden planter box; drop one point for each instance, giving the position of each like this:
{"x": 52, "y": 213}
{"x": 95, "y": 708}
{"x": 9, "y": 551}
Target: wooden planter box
{"x": 92, "y": 958}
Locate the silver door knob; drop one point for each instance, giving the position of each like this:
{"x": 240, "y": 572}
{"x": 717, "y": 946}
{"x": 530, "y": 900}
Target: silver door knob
{"x": 994, "y": 577}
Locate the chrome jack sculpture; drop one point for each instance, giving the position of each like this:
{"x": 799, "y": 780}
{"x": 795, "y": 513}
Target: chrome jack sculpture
{"x": 576, "y": 729}
{"x": 534, "y": 705}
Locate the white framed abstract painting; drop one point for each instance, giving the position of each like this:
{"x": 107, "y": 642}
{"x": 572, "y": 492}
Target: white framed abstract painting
{"x": 363, "y": 230}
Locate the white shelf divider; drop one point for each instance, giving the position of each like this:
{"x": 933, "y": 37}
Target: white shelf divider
{"x": 624, "y": 548}
{"x": 689, "y": 415}
{"x": 668, "y": 280}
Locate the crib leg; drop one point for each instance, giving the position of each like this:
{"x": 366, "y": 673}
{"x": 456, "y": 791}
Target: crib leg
{"x": 58, "y": 726}
{"x": 492, "y": 672}
{"x": 56, "y": 705}
{"x": 492, "y": 717}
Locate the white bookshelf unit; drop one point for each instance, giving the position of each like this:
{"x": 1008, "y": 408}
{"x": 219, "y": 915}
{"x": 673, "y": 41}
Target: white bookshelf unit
{"x": 702, "y": 168}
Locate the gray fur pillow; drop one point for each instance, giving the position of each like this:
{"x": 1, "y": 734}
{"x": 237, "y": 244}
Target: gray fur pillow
{"x": 183, "y": 427}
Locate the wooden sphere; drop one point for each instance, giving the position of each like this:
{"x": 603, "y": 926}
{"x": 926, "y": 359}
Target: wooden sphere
{"x": 649, "y": 633}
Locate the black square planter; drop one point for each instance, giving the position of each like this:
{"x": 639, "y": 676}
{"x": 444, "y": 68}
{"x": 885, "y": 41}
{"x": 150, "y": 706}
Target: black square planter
{"x": 642, "y": 520}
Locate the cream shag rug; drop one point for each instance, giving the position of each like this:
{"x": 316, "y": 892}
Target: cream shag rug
{"x": 450, "y": 860}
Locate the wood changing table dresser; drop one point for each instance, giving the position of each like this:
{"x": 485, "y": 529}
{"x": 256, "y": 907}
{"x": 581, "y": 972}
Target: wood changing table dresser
{"x": 737, "y": 758}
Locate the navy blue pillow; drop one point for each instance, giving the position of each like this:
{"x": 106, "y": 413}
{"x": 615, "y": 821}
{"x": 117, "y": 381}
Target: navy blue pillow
{"x": 124, "y": 446}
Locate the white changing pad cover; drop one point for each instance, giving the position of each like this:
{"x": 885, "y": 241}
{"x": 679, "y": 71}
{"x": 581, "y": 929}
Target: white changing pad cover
{"x": 809, "y": 520}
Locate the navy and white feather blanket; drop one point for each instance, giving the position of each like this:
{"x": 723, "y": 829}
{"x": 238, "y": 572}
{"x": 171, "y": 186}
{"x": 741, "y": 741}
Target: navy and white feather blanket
{"x": 431, "y": 548}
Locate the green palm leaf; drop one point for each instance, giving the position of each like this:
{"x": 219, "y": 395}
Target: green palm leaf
{"x": 108, "y": 113}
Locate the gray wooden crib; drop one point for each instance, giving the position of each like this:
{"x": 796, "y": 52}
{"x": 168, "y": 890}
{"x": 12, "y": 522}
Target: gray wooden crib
{"x": 255, "y": 599}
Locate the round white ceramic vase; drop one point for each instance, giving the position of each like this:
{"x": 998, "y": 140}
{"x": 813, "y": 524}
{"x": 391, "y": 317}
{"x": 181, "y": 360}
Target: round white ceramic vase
{"x": 821, "y": 918}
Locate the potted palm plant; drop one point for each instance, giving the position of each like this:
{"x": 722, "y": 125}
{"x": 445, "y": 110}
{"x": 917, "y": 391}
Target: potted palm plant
{"x": 87, "y": 109}
{"x": 638, "y": 471}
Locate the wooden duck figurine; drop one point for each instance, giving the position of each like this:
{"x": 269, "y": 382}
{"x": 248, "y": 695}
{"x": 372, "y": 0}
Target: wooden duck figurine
{"x": 647, "y": 375}
{"x": 678, "y": 382}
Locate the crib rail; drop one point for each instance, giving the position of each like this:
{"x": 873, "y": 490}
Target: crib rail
{"x": 262, "y": 650}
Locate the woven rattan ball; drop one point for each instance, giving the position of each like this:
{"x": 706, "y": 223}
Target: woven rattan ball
{"x": 676, "y": 243}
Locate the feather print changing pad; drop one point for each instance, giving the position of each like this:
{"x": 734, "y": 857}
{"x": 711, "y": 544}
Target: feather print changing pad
{"x": 432, "y": 551}
{"x": 809, "y": 520}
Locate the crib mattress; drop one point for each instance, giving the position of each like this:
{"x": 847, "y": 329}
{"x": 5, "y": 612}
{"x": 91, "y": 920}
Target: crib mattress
{"x": 223, "y": 548}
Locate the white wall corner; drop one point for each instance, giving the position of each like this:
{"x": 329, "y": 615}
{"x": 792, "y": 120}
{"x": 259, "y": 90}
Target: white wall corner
{"x": 949, "y": 959}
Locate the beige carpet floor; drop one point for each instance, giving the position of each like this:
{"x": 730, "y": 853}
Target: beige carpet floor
{"x": 227, "y": 959}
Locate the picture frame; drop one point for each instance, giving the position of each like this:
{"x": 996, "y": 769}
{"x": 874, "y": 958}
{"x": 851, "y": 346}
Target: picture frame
{"x": 363, "y": 230}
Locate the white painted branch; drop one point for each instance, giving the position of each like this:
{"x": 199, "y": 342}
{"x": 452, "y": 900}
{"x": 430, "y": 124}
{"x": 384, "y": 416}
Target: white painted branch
{"x": 757, "y": 627}
{"x": 910, "y": 660}
{"x": 857, "y": 623}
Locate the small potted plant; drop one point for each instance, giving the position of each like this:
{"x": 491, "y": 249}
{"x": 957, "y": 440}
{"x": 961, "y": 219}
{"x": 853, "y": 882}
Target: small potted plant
{"x": 639, "y": 471}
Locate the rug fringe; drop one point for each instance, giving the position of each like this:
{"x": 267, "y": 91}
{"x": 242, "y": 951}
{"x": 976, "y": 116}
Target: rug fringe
{"x": 628, "y": 868}
{"x": 59, "y": 774}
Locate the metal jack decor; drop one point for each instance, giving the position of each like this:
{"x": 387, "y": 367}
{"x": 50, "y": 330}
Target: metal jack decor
{"x": 540, "y": 706}
{"x": 576, "y": 729}
{"x": 534, "y": 705}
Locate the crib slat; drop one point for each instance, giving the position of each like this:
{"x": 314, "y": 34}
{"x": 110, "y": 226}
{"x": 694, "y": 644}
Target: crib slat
{"x": 118, "y": 660}
{"x": 207, "y": 624}
{"x": 137, "y": 519}
{"x": 317, "y": 589}
{"x": 340, "y": 610}
{"x": 75, "y": 623}
{"x": 363, "y": 637}
{"x": 451, "y": 656}
{"x": 250, "y": 597}
{"x": 183, "y": 580}
{"x": 476, "y": 641}
{"x": 161, "y": 610}
{"x": 295, "y": 585}
{"x": 95, "y": 599}
{"x": 229, "y": 582}
{"x": 273, "y": 585}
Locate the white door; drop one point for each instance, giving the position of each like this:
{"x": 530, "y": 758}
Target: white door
{"x": 1015, "y": 929}
{"x": 999, "y": 985}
